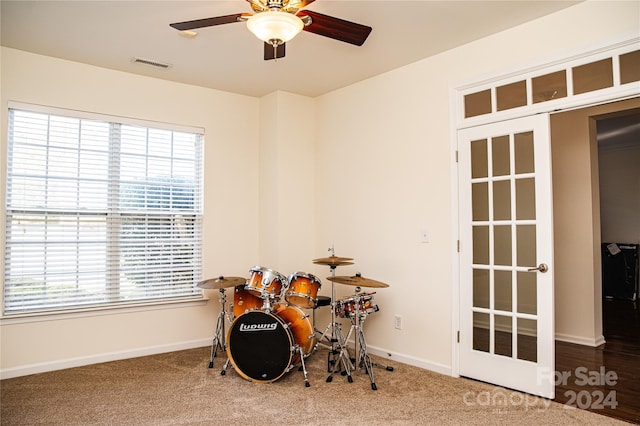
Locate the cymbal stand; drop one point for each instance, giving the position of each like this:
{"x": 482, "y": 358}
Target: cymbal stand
{"x": 336, "y": 340}
{"x": 219, "y": 339}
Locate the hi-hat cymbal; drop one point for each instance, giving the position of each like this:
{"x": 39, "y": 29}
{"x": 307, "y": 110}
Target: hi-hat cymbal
{"x": 333, "y": 261}
{"x": 221, "y": 282}
{"x": 358, "y": 280}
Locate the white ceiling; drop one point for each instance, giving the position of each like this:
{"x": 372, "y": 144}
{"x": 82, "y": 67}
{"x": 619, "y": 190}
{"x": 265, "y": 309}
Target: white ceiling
{"x": 228, "y": 57}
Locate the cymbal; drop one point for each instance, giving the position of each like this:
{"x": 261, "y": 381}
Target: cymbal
{"x": 333, "y": 261}
{"x": 358, "y": 280}
{"x": 221, "y": 282}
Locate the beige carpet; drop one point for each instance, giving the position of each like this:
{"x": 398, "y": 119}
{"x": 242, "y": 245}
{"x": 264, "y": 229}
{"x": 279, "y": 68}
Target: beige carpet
{"x": 179, "y": 389}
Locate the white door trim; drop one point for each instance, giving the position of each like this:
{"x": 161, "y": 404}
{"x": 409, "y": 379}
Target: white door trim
{"x": 609, "y": 48}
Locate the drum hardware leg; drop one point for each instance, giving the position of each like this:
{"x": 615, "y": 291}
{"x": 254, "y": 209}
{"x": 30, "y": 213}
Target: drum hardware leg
{"x": 219, "y": 338}
{"x": 342, "y": 359}
{"x": 304, "y": 368}
{"x": 224, "y": 368}
{"x": 365, "y": 358}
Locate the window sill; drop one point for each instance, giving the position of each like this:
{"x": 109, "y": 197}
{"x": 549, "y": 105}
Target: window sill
{"x": 94, "y": 311}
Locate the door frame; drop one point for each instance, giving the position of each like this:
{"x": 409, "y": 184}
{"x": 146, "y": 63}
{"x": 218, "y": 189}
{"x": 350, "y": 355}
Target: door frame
{"x": 457, "y": 92}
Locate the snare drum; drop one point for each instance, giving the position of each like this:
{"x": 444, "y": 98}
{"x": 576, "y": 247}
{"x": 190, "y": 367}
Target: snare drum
{"x": 244, "y": 301}
{"x": 300, "y": 325}
{"x": 303, "y": 290}
{"x": 260, "y": 346}
{"x": 346, "y": 308}
{"x": 265, "y": 283}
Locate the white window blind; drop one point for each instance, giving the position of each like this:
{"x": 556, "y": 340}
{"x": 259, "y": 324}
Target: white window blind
{"x": 99, "y": 212}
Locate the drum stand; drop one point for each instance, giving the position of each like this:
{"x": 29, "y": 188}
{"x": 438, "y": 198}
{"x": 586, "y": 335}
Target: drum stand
{"x": 362, "y": 358}
{"x": 337, "y": 350}
{"x": 219, "y": 339}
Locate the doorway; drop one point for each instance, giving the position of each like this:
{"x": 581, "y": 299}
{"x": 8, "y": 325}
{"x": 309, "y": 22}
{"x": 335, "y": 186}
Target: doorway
{"x": 576, "y": 197}
{"x": 593, "y": 334}
{"x": 577, "y": 222}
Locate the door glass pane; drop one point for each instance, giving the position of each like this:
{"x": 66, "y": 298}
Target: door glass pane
{"x": 593, "y": 76}
{"x": 479, "y": 164}
{"x": 527, "y": 293}
{"x": 502, "y": 290}
{"x": 502, "y": 200}
{"x": 523, "y": 151}
{"x": 525, "y": 199}
{"x": 500, "y": 155}
{"x": 527, "y": 340}
{"x": 630, "y": 67}
{"x": 526, "y": 243}
{"x": 481, "y": 331}
{"x": 480, "y": 200}
{"x": 481, "y": 288}
{"x": 502, "y": 245}
{"x": 503, "y": 335}
{"x": 481, "y": 245}
{"x": 511, "y": 95}
{"x": 549, "y": 86}
{"x": 477, "y": 103}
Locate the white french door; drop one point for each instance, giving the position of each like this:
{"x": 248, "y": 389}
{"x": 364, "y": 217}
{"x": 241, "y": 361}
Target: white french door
{"x": 506, "y": 255}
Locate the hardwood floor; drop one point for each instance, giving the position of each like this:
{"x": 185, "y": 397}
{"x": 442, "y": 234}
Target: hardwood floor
{"x": 605, "y": 379}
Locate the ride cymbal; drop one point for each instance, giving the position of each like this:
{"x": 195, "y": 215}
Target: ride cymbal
{"x": 221, "y": 282}
{"x": 358, "y": 280}
{"x": 333, "y": 261}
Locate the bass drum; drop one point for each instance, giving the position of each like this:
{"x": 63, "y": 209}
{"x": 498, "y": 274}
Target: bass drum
{"x": 260, "y": 346}
{"x": 300, "y": 325}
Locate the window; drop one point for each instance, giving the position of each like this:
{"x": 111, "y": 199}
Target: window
{"x": 99, "y": 212}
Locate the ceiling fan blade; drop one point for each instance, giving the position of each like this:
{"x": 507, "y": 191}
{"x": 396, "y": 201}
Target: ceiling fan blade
{"x": 271, "y": 53}
{"x": 208, "y": 22}
{"x": 336, "y": 28}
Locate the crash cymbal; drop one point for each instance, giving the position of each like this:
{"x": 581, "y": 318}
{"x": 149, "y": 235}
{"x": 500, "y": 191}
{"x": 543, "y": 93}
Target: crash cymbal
{"x": 221, "y": 282}
{"x": 333, "y": 261}
{"x": 358, "y": 280}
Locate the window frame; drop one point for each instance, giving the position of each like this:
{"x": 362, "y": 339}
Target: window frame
{"x": 191, "y": 294}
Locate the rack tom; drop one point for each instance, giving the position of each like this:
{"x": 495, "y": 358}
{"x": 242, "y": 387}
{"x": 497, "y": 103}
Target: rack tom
{"x": 303, "y": 290}
{"x": 266, "y": 283}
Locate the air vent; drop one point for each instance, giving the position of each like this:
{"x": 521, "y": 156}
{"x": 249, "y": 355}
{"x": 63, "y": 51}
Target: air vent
{"x": 151, "y": 62}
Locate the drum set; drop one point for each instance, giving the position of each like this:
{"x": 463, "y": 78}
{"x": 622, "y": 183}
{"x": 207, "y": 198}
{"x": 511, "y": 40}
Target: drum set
{"x": 270, "y": 333}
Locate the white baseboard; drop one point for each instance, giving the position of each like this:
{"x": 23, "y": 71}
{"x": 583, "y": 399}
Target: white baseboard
{"x": 409, "y": 360}
{"x": 580, "y": 340}
{"x": 99, "y": 358}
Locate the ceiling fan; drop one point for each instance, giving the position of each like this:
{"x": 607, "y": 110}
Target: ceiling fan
{"x": 277, "y": 21}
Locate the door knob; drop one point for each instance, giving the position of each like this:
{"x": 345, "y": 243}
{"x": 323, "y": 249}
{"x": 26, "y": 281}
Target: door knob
{"x": 541, "y": 268}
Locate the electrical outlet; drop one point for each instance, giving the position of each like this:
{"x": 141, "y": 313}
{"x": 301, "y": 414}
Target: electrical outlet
{"x": 397, "y": 322}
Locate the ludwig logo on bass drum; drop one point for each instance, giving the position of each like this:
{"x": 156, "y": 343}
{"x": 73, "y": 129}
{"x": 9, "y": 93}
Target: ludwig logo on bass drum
{"x": 258, "y": 327}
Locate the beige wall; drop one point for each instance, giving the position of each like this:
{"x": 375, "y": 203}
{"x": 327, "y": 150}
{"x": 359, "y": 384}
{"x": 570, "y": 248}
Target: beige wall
{"x": 384, "y": 144}
{"x": 287, "y": 213}
{"x": 231, "y": 130}
{"x": 375, "y": 169}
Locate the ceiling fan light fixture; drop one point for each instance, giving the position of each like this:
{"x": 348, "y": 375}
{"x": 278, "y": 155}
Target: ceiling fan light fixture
{"x": 275, "y": 27}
